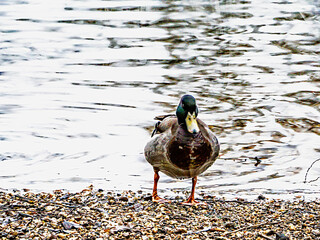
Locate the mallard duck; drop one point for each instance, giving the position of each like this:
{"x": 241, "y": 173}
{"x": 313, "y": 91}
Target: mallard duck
{"x": 182, "y": 146}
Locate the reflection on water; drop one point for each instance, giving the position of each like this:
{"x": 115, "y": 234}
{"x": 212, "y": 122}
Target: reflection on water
{"x": 82, "y": 80}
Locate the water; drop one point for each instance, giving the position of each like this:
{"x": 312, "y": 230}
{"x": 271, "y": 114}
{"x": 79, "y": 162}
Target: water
{"x": 80, "y": 82}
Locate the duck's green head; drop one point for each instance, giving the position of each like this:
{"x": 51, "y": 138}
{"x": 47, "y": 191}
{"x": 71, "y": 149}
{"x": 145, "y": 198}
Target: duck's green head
{"x": 187, "y": 112}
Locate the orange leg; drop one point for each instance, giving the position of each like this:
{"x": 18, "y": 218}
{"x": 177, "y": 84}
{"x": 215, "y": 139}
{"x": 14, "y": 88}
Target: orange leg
{"x": 191, "y": 200}
{"x": 155, "y": 197}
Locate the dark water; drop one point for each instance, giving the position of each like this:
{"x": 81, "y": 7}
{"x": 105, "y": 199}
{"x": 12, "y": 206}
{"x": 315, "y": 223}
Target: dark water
{"x": 80, "y": 82}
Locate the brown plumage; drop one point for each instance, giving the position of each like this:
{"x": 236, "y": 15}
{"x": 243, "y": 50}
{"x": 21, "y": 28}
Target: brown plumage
{"x": 182, "y": 146}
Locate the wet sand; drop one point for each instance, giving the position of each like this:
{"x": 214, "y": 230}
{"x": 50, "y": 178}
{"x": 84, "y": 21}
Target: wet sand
{"x": 99, "y": 214}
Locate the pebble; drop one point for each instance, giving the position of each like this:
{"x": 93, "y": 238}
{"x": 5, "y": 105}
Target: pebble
{"x": 99, "y": 214}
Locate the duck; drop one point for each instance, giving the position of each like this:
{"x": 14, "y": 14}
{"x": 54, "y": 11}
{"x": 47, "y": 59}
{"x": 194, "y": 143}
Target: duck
{"x": 182, "y": 146}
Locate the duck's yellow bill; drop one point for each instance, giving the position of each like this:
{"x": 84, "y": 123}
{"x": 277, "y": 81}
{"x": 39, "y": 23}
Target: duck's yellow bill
{"x": 191, "y": 122}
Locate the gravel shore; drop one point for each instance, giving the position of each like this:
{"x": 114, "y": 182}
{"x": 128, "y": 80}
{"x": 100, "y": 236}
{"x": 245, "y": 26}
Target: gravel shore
{"x": 98, "y": 214}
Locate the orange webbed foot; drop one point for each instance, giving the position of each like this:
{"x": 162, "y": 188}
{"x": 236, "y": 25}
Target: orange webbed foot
{"x": 192, "y": 201}
{"x": 158, "y": 199}
{"x": 161, "y": 200}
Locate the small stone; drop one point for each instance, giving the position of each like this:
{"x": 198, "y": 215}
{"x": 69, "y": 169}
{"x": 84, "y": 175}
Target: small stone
{"x": 49, "y": 208}
{"x": 61, "y": 235}
{"x": 261, "y": 197}
{"x": 230, "y": 225}
{"x": 147, "y": 198}
{"x": 217, "y": 229}
{"x": 120, "y": 229}
{"x": 292, "y": 227}
{"x": 70, "y": 225}
{"x": 316, "y": 232}
{"x": 123, "y": 198}
{"x": 181, "y": 230}
{"x": 281, "y": 236}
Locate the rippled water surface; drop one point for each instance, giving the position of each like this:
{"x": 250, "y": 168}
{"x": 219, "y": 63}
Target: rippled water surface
{"x": 80, "y": 83}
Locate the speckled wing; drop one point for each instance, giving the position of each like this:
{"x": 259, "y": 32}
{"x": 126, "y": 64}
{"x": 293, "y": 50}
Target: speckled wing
{"x": 165, "y": 123}
{"x": 156, "y": 149}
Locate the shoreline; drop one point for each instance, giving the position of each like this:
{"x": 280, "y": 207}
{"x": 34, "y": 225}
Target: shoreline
{"x": 99, "y": 214}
